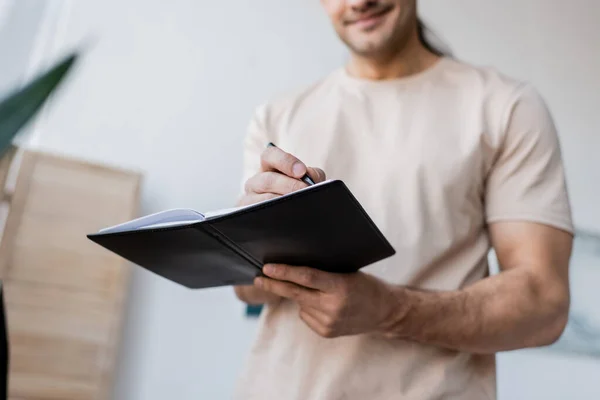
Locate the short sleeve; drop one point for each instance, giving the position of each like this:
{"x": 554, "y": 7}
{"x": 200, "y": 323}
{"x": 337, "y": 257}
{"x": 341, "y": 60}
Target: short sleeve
{"x": 255, "y": 141}
{"x": 527, "y": 181}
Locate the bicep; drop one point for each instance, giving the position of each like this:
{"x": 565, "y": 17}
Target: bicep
{"x": 541, "y": 251}
{"x": 533, "y": 284}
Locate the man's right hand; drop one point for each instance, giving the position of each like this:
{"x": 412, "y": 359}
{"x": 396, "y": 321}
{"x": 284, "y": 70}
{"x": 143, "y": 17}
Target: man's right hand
{"x": 279, "y": 174}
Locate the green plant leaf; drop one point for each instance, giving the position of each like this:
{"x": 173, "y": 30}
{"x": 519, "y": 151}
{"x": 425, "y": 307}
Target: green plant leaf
{"x": 20, "y": 107}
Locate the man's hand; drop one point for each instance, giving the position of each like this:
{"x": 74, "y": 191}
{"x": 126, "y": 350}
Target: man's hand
{"x": 333, "y": 305}
{"x": 279, "y": 174}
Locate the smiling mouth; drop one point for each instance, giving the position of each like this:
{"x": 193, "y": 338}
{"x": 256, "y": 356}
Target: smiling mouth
{"x": 371, "y": 19}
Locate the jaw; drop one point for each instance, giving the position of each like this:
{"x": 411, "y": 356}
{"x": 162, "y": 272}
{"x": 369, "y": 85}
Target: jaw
{"x": 380, "y": 38}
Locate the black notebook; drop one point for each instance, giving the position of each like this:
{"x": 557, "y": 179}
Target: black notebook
{"x": 322, "y": 226}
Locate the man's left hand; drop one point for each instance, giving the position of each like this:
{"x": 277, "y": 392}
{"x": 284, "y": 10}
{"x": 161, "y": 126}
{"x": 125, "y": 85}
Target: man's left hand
{"x": 331, "y": 304}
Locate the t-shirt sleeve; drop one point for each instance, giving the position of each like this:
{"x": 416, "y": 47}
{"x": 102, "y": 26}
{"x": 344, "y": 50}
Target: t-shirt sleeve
{"x": 527, "y": 180}
{"x": 255, "y": 141}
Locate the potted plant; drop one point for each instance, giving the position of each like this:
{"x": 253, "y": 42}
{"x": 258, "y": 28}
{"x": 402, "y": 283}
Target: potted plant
{"x": 16, "y": 110}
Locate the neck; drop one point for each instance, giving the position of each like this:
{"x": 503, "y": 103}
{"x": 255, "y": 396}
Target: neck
{"x": 411, "y": 59}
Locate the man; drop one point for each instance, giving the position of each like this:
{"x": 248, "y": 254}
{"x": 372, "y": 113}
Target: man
{"x": 449, "y": 160}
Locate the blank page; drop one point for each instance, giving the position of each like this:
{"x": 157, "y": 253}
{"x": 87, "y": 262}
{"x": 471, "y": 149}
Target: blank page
{"x": 175, "y": 217}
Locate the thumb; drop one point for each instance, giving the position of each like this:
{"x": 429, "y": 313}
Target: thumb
{"x": 317, "y": 174}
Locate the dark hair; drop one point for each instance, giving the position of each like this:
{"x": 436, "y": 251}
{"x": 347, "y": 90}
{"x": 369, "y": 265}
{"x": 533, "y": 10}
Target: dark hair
{"x": 422, "y": 31}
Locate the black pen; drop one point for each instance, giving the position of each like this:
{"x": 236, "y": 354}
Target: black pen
{"x": 306, "y": 179}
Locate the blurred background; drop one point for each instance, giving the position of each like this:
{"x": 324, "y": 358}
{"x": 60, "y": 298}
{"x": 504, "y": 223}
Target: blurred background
{"x": 164, "y": 93}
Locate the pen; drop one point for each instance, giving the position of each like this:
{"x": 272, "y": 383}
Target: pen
{"x": 306, "y": 179}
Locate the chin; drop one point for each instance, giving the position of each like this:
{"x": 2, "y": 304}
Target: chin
{"x": 378, "y": 40}
{"x": 370, "y": 46}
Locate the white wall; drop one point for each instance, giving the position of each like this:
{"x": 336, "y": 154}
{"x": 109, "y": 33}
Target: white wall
{"x": 19, "y": 23}
{"x": 168, "y": 88}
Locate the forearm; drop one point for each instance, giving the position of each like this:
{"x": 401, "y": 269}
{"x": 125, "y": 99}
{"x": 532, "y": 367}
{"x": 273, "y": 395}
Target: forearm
{"x": 505, "y": 312}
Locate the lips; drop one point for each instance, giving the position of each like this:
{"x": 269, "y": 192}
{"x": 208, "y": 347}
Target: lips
{"x": 371, "y": 19}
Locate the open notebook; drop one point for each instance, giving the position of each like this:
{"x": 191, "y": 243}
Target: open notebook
{"x": 183, "y": 216}
{"x": 322, "y": 226}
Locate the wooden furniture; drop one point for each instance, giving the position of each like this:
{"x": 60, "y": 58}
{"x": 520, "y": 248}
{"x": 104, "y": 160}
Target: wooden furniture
{"x": 64, "y": 295}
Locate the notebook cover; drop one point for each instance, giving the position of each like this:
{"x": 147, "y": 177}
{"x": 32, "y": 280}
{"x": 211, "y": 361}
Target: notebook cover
{"x": 188, "y": 255}
{"x": 323, "y": 227}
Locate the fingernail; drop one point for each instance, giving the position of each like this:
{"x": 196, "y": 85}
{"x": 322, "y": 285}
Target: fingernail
{"x": 258, "y": 282}
{"x": 298, "y": 169}
{"x": 268, "y": 269}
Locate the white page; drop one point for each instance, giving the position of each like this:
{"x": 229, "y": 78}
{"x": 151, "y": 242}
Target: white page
{"x": 216, "y": 213}
{"x": 174, "y": 217}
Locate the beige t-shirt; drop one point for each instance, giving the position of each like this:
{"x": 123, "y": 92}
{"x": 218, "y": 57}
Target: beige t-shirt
{"x": 432, "y": 158}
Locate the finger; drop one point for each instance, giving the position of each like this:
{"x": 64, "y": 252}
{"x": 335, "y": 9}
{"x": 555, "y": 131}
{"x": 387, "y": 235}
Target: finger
{"x": 286, "y": 289}
{"x": 273, "y": 182}
{"x": 275, "y": 159}
{"x": 318, "y": 314}
{"x": 253, "y": 295}
{"x": 302, "y": 276}
{"x": 317, "y": 174}
{"x": 315, "y": 325}
{"x": 253, "y": 198}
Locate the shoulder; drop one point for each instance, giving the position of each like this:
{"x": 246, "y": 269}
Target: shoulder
{"x": 482, "y": 77}
{"x": 489, "y": 82}
{"x": 498, "y": 94}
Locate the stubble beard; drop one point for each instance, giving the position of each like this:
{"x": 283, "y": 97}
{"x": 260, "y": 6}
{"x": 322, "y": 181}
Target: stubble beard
{"x": 383, "y": 48}
{"x": 386, "y": 46}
